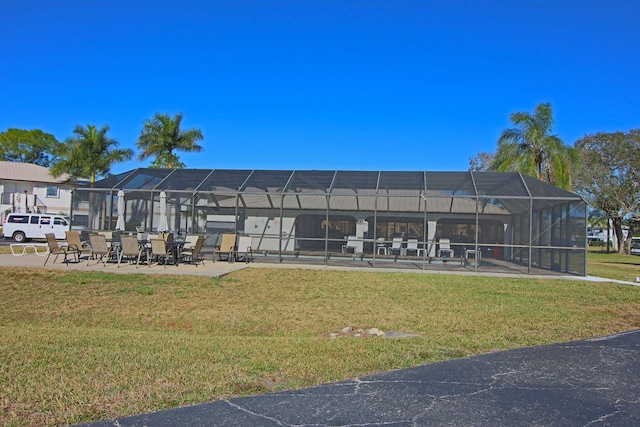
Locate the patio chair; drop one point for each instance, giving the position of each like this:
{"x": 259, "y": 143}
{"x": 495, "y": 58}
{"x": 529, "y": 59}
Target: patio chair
{"x": 100, "y": 248}
{"x": 108, "y": 237}
{"x": 445, "y": 248}
{"x": 159, "y": 251}
{"x": 477, "y": 254}
{"x": 227, "y": 247}
{"x": 57, "y": 250}
{"x": 412, "y": 246}
{"x": 396, "y": 246}
{"x": 350, "y": 245}
{"x": 381, "y": 247}
{"x": 192, "y": 254}
{"x": 75, "y": 243}
{"x": 190, "y": 240}
{"x": 244, "y": 250}
{"x": 131, "y": 249}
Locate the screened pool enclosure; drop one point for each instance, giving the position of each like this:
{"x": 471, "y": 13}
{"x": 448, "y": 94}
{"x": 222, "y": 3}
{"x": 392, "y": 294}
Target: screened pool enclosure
{"x": 490, "y": 221}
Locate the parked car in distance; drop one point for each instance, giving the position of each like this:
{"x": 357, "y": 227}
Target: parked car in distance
{"x": 635, "y": 249}
{"x": 23, "y": 226}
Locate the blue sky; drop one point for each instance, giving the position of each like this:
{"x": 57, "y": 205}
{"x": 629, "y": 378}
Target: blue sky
{"x": 359, "y": 85}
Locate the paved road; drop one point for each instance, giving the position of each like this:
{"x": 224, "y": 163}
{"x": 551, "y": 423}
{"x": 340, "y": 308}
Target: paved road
{"x": 5, "y": 242}
{"x": 593, "y": 382}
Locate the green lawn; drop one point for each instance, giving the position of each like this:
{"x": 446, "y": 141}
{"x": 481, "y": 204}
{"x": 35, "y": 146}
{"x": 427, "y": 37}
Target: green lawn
{"x": 613, "y": 266}
{"x": 79, "y": 346}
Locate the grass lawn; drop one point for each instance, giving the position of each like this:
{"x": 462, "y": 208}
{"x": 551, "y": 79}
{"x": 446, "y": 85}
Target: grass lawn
{"x": 80, "y": 346}
{"x": 613, "y": 266}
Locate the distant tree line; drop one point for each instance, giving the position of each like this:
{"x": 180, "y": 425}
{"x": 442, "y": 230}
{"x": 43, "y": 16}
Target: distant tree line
{"x": 90, "y": 153}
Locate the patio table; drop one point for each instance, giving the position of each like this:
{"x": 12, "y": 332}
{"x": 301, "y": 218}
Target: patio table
{"x": 175, "y": 246}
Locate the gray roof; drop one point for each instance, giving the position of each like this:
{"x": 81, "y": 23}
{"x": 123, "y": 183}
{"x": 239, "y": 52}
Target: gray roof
{"x": 16, "y": 171}
{"x": 393, "y": 191}
{"x": 315, "y": 182}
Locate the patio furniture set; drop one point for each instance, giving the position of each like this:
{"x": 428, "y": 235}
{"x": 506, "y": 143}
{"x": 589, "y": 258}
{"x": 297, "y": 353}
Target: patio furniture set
{"x": 410, "y": 247}
{"x": 107, "y": 246}
{"x": 161, "y": 249}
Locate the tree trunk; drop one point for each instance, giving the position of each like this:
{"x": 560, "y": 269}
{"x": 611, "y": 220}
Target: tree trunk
{"x": 617, "y": 230}
{"x": 628, "y": 240}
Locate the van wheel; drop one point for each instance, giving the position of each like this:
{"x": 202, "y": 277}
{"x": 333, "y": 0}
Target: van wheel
{"x": 19, "y": 237}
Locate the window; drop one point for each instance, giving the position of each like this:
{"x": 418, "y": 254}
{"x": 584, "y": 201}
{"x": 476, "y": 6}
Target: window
{"x": 81, "y": 220}
{"x": 52, "y": 191}
{"x": 464, "y": 231}
{"x": 389, "y": 227}
{"x": 20, "y": 219}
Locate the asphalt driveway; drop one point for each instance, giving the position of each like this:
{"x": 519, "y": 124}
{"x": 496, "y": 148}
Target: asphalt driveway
{"x": 594, "y": 382}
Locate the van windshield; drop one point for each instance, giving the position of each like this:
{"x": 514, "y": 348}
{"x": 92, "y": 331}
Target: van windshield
{"x": 60, "y": 221}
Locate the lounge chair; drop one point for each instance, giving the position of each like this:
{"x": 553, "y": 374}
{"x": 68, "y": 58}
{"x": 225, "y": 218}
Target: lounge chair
{"x": 57, "y": 250}
{"x": 227, "y": 247}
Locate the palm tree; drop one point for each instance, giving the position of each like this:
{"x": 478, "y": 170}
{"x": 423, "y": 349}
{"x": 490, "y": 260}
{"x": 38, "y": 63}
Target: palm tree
{"x": 162, "y": 135}
{"x": 530, "y": 148}
{"x": 89, "y": 154}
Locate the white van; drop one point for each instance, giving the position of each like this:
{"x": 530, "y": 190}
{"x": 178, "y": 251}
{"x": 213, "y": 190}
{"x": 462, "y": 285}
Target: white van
{"x": 20, "y": 227}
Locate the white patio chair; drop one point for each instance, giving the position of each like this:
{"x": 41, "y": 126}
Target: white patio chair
{"x": 351, "y": 244}
{"x": 412, "y": 246}
{"x": 244, "y": 250}
{"x": 445, "y": 248}
{"x": 472, "y": 252}
{"x": 396, "y": 246}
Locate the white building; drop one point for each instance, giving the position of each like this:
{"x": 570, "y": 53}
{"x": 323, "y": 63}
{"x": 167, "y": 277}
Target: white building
{"x": 25, "y": 187}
